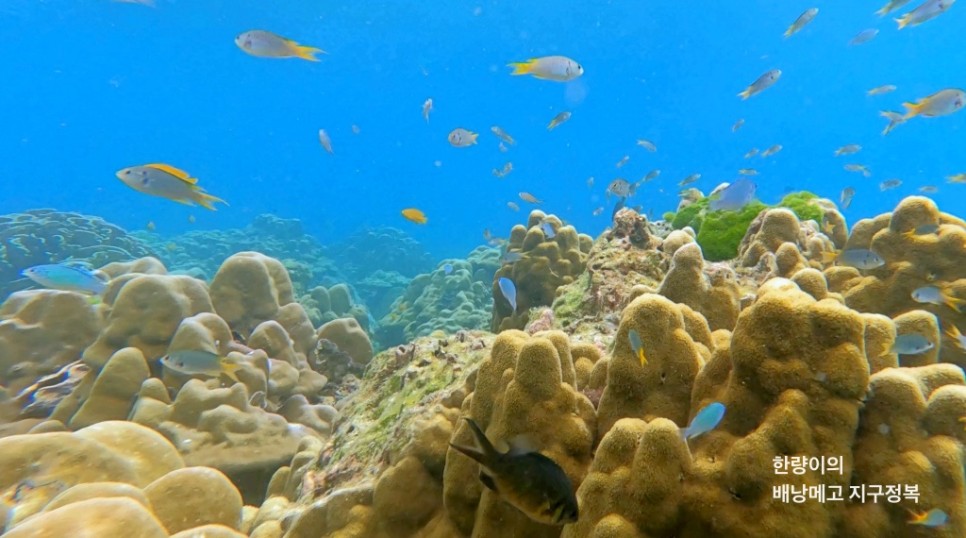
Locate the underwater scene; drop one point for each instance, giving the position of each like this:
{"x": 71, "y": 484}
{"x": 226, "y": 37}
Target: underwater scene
{"x": 483, "y": 269}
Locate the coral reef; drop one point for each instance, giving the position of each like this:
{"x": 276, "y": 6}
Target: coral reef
{"x": 41, "y": 236}
{"x": 388, "y": 249}
{"x": 441, "y": 300}
{"x": 721, "y": 232}
{"x": 545, "y": 264}
{"x": 326, "y": 304}
{"x": 912, "y": 261}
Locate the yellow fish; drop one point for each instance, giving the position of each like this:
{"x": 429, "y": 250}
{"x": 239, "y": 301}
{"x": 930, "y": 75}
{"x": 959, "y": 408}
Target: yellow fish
{"x": 761, "y": 84}
{"x": 414, "y": 215}
{"x": 940, "y": 103}
{"x": 957, "y": 178}
{"x": 168, "y": 182}
{"x": 265, "y": 44}
{"x": 928, "y": 10}
{"x": 556, "y": 68}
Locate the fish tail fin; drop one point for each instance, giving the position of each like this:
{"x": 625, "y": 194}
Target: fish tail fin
{"x": 895, "y": 119}
{"x": 953, "y": 332}
{"x": 207, "y": 201}
{"x": 745, "y": 94}
{"x": 231, "y": 369}
{"x": 522, "y": 68}
{"x": 829, "y": 257}
{"x": 912, "y": 110}
{"x": 484, "y": 449}
{"x": 788, "y": 33}
{"x": 883, "y": 11}
{"x": 903, "y": 21}
{"x": 307, "y": 53}
{"x": 953, "y": 302}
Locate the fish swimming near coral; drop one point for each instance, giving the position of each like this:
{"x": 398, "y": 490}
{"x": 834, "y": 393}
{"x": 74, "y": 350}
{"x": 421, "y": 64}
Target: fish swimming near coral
{"x": 199, "y": 362}
{"x": 529, "y": 481}
{"x": 265, "y": 44}
{"x": 941, "y": 103}
{"x": 938, "y": 296}
{"x": 166, "y": 181}
{"x": 706, "y": 420}
{"x": 66, "y": 277}
{"x": 845, "y": 198}
{"x": 735, "y": 196}
{"x": 556, "y": 68}
{"x": 637, "y": 346}
{"x": 509, "y": 291}
{"x": 860, "y": 258}
{"x": 956, "y": 336}
{"x": 547, "y": 230}
{"x": 933, "y": 518}
{"x": 912, "y": 344}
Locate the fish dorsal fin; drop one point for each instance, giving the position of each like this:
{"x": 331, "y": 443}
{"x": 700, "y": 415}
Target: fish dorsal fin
{"x": 521, "y": 444}
{"x": 488, "y": 481}
{"x": 176, "y": 172}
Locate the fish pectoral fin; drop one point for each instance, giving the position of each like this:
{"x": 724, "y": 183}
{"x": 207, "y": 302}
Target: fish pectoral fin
{"x": 488, "y": 481}
{"x": 176, "y": 172}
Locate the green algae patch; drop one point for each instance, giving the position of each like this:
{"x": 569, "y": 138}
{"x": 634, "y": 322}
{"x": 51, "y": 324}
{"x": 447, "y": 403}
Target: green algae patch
{"x": 720, "y": 232}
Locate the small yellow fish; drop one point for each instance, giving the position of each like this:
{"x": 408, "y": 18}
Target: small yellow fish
{"x": 803, "y": 19}
{"x": 427, "y": 108}
{"x": 414, "y": 215}
{"x": 737, "y": 125}
{"x": 265, "y": 44}
{"x": 624, "y": 160}
{"x": 751, "y": 153}
{"x": 646, "y": 144}
{"x": 859, "y": 168}
{"x": 637, "y": 346}
{"x": 150, "y": 227}
{"x": 748, "y": 171}
{"x": 168, "y": 182}
{"x": 848, "y": 149}
{"x": 558, "y": 119}
{"x": 200, "y": 362}
{"x": 527, "y": 197}
{"x": 325, "y": 141}
{"x": 502, "y": 135}
{"x": 763, "y": 82}
{"x": 879, "y": 90}
{"x": 929, "y": 189}
{"x": 828, "y": 227}
{"x": 956, "y": 178}
{"x": 461, "y": 138}
{"x": 513, "y": 206}
{"x": 556, "y": 68}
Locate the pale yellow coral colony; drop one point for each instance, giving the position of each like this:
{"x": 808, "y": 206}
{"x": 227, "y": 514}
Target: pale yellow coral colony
{"x": 828, "y": 433}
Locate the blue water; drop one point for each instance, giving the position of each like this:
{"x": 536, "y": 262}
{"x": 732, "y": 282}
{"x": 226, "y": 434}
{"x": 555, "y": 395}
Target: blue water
{"x": 90, "y": 87}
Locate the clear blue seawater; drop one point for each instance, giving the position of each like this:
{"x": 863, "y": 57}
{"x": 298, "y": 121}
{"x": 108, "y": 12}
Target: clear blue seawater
{"x": 92, "y": 86}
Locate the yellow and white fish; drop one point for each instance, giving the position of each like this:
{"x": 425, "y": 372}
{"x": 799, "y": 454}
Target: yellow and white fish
{"x": 761, "y": 84}
{"x": 265, "y": 44}
{"x": 462, "y": 138}
{"x": 556, "y": 68}
{"x": 168, "y": 182}
{"x": 803, "y": 19}
{"x": 879, "y": 90}
{"x": 928, "y": 10}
